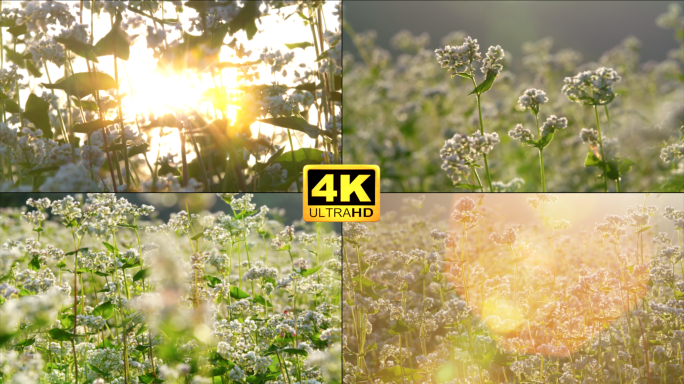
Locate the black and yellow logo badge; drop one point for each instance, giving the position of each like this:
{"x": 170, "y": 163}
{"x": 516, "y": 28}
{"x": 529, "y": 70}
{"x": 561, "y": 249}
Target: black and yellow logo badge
{"x": 341, "y": 193}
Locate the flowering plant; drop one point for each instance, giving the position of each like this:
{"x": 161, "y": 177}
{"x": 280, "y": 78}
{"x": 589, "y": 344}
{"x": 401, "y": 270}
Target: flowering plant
{"x": 167, "y": 96}
{"x": 94, "y": 291}
{"x": 477, "y": 299}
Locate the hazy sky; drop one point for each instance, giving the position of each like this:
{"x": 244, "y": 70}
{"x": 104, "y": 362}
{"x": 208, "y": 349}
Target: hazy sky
{"x": 591, "y": 27}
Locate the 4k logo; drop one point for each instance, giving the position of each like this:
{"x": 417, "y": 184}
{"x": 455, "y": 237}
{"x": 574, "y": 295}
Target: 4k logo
{"x": 341, "y": 193}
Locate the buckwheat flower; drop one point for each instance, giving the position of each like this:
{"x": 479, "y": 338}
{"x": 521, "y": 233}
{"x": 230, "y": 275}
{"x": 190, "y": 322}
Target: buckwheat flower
{"x": 48, "y": 50}
{"x": 69, "y": 178}
{"x": 539, "y": 201}
{"x": 355, "y": 231}
{"x": 494, "y": 54}
{"x": 560, "y": 225}
{"x": 508, "y": 237}
{"x": 553, "y": 124}
{"x": 512, "y": 186}
{"x": 672, "y": 19}
{"x": 461, "y": 152}
{"x": 522, "y": 134}
{"x": 591, "y": 88}
{"x": 459, "y": 59}
{"x": 531, "y": 99}
{"x": 672, "y": 151}
{"x": 92, "y": 157}
{"x": 589, "y": 135}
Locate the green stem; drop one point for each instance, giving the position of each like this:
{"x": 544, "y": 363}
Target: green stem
{"x": 294, "y": 161}
{"x": 484, "y": 155}
{"x": 603, "y": 157}
{"x": 541, "y": 155}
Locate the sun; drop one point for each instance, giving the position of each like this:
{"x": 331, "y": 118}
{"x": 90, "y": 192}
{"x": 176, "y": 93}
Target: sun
{"x": 156, "y": 93}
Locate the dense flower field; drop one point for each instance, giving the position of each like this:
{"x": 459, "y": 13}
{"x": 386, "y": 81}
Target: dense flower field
{"x": 167, "y": 95}
{"x": 474, "y": 299}
{"x": 458, "y": 119}
{"x": 94, "y": 291}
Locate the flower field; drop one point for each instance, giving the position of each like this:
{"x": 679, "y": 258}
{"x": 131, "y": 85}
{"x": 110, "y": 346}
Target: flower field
{"x": 96, "y": 290}
{"x": 458, "y": 119}
{"x": 484, "y": 298}
{"x": 167, "y": 96}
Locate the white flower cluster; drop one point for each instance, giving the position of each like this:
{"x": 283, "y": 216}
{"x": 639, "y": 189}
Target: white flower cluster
{"x": 48, "y": 50}
{"x": 532, "y": 99}
{"x": 522, "y": 134}
{"x": 461, "y": 152}
{"x": 672, "y": 151}
{"x": 92, "y": 322}
{"x": 276, "y": 59}
{"x": 459, "y": 59}
{"x": 553, "y": 124}
{"x": 591, "y": 87}
{"x": 489, "y": 64}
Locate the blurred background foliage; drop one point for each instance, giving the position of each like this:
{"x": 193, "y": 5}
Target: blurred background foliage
{"x": 400, "y": 106}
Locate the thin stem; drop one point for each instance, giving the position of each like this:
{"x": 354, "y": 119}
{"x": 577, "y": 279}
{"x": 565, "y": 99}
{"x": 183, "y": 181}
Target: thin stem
{"x": 541, "y": 155}
{"x": 603, "y": 157}
{"x": 484, "y": 155}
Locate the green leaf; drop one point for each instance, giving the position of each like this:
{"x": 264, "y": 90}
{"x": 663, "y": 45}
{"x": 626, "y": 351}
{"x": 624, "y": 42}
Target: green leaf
{"x": 36, "y": 111}
{"x": 238, "y": 294}
{"x": 18, "y": 30}
{"x": 261, "y": 300}
{"x": 470, "y": 187}
{"x": 592, "y": 160}
{"x": 296, "y": 351}
{"x": 67, "y": 321}
{"x": 143, "y": 273}
{"x": 217, "y": 371}
{"x": 78, "y": 47}
{"x": 544, "y": 141}
{"x": 110, "y": 248}
{"x": 96, "y": 369}
{"x": 60, "y": 335}
{"x": 34, "y": 264}
{"x": 365, "y": 282}
{"x": 245, "y": 19}
{"x": 197, "y": 236}
{"x": 25, "y": 343}
{"x": 324, "y": 55}
{"x": 11, "y": 106}
{"x": 91, "y": 126}
{"x": 371, "y": 347}
{"x": 38, "y": 171}
{"x": 76, "y": 251}
{"x": 285, "y": 247}
{"x": 310, "y": 271}
{"x": 212, "y": 281}
{"x": 302, "y": 45}
{"x": 272, "y": 349}
{"x": 5, "y": 337}
{"x": 115, "y": 42}
{"x": 83, "y": 84}
{"x": 296, "y": 123}
{"x": 106, "y": 310}
{"x": 228, "y": 64}
{"x": 486, "y": 84}
{"x": 400, "y": 327}
{"x": 625, "y": 165}
{"x": 644, "y": 229}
